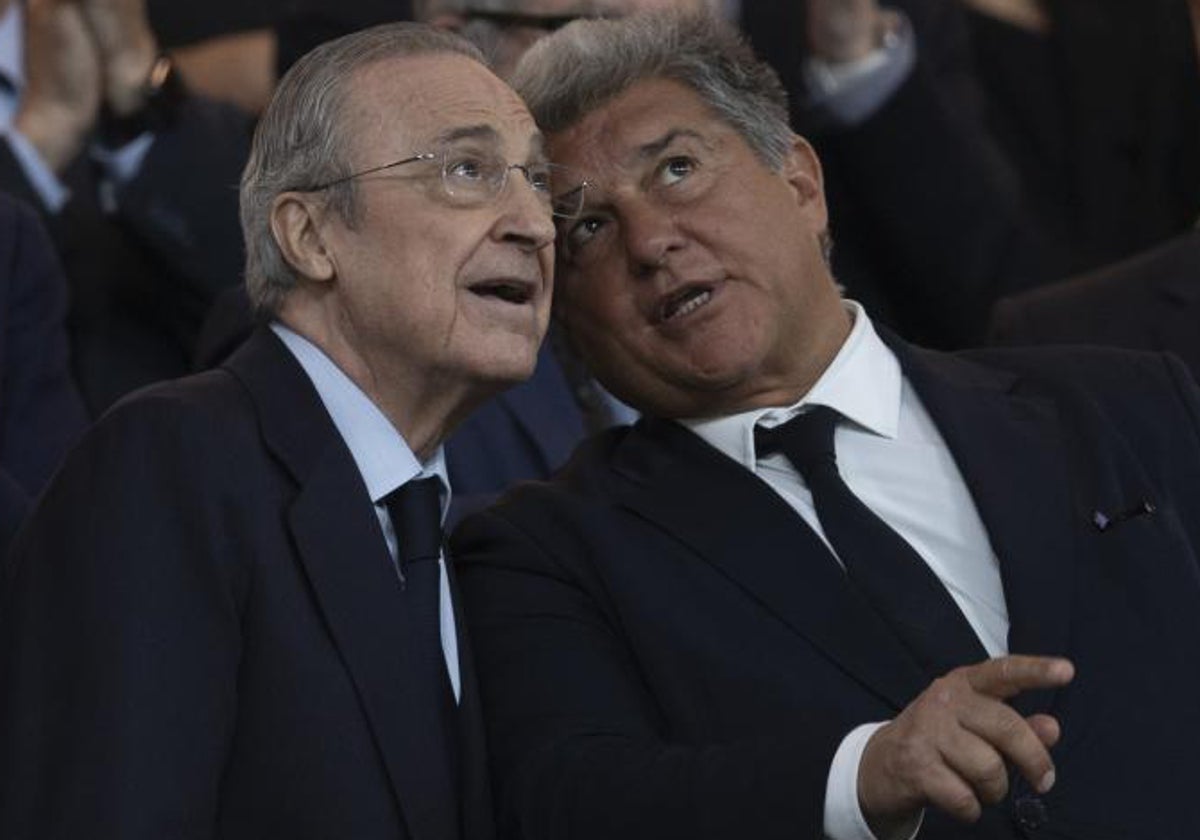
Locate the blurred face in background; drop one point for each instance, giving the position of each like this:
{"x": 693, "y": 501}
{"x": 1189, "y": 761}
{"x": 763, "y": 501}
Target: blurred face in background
{"x": 505, "y": 29}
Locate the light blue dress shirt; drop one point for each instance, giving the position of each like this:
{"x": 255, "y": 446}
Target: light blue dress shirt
{"x": 383, "y": 458}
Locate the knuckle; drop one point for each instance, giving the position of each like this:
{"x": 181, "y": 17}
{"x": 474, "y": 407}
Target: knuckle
{"x": 993, "y": 786}
{"x": 963, "y": 805}
{"x": 944, "y": 690}
{"x": 993, "y": 771}
{"x": 1011, "y": 727}
{"x": 914, "y": 762}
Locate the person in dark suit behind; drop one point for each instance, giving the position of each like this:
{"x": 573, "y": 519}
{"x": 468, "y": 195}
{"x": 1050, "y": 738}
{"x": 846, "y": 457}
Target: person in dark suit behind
{"x": 830, "y": 582}
{"x": 135, "y": 177}
{"x": 1096, "y": 103}
{"x": 41, "y": 413}
{"x": 1148, "y": 302}
{"x": 229, "y": 615}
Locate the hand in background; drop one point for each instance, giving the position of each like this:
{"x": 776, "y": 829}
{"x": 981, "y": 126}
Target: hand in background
{"x": 951, "y": 747}
{"x": 844, "y": 30}
{"x": 63, "y": 92}
{"x": 127, "y": 48}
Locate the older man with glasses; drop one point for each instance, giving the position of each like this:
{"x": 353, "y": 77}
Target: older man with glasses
{"x": 231, "y": 614}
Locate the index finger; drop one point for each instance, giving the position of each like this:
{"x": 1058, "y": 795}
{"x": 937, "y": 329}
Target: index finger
{"x": 1007, "y": 676}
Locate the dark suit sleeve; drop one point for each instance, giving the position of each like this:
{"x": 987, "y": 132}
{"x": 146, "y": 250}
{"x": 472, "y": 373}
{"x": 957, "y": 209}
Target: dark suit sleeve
{"x": 578, "y": 747}
{"x": 120, "y": 640}
{"x": 41, "y": 412}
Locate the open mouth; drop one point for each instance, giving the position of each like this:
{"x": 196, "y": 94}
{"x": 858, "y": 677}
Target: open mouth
{"x": 684, "y": 302}
{"x": 507, "y": 290}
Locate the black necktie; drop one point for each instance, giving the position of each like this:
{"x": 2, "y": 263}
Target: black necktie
{"x": 881, "y": 564}
{"x": 416, "y": 512}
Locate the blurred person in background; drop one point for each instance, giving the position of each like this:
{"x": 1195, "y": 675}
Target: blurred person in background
{"x": 41, "y": 413}
{"x": 1096, "y": 103}
{"x": 134, "y": 177}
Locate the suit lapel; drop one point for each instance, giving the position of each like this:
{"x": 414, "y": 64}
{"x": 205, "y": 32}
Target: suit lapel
{"x": 751, "y": 536}
{"x": 1011, "y": 452}
{"x": 342, "y": 550}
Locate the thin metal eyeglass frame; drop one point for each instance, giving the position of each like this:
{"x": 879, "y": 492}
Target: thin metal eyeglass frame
{"x": 431, "y": 156}
{"x": 371, "y": 171}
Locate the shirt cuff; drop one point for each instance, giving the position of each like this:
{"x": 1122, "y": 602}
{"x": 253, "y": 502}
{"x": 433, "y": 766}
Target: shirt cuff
{"x": 848, "y": 93}
{"x": 49, "y": 189}
{"x": 844, "y": 819}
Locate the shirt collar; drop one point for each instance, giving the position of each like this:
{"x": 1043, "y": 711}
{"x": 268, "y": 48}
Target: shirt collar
{"x": 12, "y": 47}
{"x": 863, "y": 383}
{"x": 380, "y": 452}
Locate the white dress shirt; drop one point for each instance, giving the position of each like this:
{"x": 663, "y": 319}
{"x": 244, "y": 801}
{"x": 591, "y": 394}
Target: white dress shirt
{"x": 893, "y": 458}
{"x": 383, "y": 458}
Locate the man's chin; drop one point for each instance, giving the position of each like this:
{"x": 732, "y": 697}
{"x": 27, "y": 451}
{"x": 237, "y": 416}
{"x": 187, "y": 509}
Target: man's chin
{"x": 503, "y": 370}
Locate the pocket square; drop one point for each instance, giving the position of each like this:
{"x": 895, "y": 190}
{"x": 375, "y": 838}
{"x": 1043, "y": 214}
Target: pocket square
{"x": 1103, "y": 521}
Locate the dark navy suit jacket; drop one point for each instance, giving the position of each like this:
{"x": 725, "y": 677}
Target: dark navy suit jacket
{"x": 523, "y": 433}
{"x": 666, "y": 650}
{"x": 41, "y": 413}
{"x": 198, "y": 635}
{"x": 142, "y": 280}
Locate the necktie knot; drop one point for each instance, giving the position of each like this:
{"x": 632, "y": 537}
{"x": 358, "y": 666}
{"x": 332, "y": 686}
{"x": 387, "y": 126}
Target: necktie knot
{"x": 416, "y": 511}
{"x": 806, "y": 439}
{"x": 881, "y": 565}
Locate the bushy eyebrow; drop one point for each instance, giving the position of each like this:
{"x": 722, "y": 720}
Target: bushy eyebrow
{"x": 468, "y": 132}
{"x": 656, "y": 147}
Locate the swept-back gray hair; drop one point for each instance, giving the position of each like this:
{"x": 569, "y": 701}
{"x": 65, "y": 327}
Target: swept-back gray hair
{"x": 301, "y": 141}
{"x": 585, "y": 64}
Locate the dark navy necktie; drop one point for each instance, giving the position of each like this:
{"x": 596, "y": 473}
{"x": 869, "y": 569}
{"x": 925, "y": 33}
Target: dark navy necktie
{"x": 888, "y": 572}
{"x": 416, "y": 512}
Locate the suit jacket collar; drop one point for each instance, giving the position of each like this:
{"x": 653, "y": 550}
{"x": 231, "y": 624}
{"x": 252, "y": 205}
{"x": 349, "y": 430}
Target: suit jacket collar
{"x": 334, "y": 525}
{"x": 1008, "y": 447}
{"x": 737, "y": 524}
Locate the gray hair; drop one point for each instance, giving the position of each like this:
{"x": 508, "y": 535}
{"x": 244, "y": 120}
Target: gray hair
{"x": 585, "y": 64}
{"x": 301, "y": 141}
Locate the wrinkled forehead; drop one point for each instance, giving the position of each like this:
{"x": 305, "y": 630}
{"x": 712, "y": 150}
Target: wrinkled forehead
{"x": 628, "y": 132}
{"x": 418, "y": 101}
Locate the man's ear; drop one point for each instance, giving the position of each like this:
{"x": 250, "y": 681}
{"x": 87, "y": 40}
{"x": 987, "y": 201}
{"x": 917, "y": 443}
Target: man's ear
{"x": 802, "y": 169}
{"x": 296, "y": 226}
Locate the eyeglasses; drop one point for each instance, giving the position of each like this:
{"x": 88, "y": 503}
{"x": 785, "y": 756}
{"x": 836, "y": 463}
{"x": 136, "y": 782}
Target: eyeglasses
{"x": 472, "y": 178}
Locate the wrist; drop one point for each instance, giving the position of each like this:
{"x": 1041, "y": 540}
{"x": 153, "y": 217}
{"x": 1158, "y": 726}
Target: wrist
{"x": 55, "y": 132}
{"x": 844, "y": 41}
{"x": 127, "y": 74}
{"x": 887, "y": 812}
{"x": 153, "y": 107}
